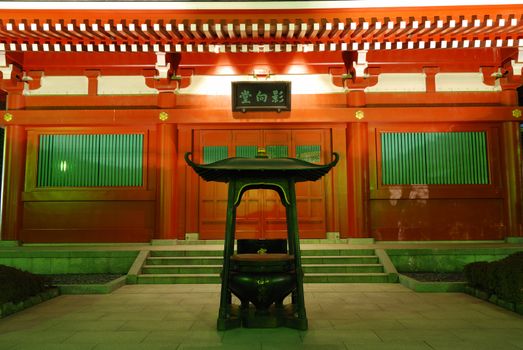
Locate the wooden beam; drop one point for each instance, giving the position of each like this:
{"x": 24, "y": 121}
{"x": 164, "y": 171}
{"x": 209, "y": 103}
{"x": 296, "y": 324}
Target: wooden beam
{"x": 198, "y": 115}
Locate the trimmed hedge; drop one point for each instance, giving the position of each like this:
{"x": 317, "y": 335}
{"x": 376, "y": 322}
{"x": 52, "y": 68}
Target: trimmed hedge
{"x": 17, "y": 285}
{"x": 503, "y": 278}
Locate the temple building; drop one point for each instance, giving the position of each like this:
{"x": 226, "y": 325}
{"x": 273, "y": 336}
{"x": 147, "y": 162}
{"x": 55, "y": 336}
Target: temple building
{"x": 101, "y": 100}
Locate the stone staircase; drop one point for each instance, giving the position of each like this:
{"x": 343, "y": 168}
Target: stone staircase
{"x": 320, "y": 266}
{"x": 182, "y": 266}
{"x": 343, "y": 266}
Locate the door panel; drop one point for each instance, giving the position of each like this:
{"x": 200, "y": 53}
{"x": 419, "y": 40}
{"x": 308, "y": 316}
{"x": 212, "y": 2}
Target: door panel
{"x": 277, "y": 144}
{"x": 213, "y": 195}
{"x": 261, "y": 213}
{"x": 311, "y": 146}
{"x": 248, "y": 218}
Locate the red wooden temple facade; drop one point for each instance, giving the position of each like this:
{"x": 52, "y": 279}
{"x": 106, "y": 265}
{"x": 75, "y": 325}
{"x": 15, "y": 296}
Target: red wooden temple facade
{"x": 421, "y": 103}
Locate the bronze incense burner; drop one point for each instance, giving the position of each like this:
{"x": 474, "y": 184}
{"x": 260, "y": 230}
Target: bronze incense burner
{"x": 261, "y": 275}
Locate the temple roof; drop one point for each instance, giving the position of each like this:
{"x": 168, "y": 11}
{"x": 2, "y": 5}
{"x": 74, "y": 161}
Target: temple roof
{"x": 278, "y": 26}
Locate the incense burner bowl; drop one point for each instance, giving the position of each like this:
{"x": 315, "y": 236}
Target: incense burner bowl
{"x": 262, "y": 279}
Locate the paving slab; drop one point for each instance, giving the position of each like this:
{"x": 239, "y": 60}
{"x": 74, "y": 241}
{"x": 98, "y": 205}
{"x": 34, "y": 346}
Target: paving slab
{"x": 341, "y": 316}
{"x": 400, "y": 345}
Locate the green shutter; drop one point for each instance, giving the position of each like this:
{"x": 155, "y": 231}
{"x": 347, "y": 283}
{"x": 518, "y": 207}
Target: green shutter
{"x": 90, "y": 160}
{"x": 309, "y": 153}
{"x": 403, "y": 158}
{"x": 457, "y": 158}
{"x": 213, "y": 154}
{"x": 246, "y": 151}
{"x": 277, "y": 151}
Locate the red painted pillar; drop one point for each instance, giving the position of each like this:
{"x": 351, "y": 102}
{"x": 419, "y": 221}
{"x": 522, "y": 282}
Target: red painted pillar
{"x": 512, "y": 178}
{"x": 509, "y": 97}
{"x": 358, "y": 180}
{"x": 13, "y": 182}
{"x": 166, "y": 99}
{"x": 15, "y": 93}
{"x": 338, "y": 186}
{"x": 166, "y": 184}
{"x": 185, "y": 142}
{"x": 356, "y": 98}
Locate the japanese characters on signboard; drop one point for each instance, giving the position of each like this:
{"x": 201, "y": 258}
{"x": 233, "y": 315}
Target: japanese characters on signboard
{"x": 261, "y": 96}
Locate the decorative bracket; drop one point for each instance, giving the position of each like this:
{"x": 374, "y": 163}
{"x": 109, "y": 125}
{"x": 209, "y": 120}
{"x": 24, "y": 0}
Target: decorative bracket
{"x": 161, "y": 84}
{"x": 164, "y": 77}
{"x": 5, "y": 69}
{"x": 338, "y": 75}
{"x": 360, "y": 73}
{"x": 184, "y": 77}
{"x": 517, "y": 65}
{"x": 33, "y": 79}
{"x": 508, "y": 75}
{"x": 361, "y": 64}
{"x": 12, "y": 81}
{"x": 490, "y": 75}
{"x": 503, "y": 76}
{"x": 162, "y": 66}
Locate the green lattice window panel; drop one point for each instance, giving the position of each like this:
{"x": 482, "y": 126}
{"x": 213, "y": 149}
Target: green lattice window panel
{"x": 213, "y": 154}
{"x": 277, "y": 151}
{"x": 98, "y": 160}
{"x": 246, "y": 151}
{"x": 309, "y": 153}
{"x": 434, "y": 158}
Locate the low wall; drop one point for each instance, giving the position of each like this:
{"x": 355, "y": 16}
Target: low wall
{"x": 64, "y": 262}
{"x": 444, "y": 260}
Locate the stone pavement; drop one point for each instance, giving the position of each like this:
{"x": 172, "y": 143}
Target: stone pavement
{"x": 341, "y": 316}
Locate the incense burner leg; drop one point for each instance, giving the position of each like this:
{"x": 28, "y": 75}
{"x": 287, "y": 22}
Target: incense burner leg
{"x": 292, "y": 231}
{"x": 225, "y": 318}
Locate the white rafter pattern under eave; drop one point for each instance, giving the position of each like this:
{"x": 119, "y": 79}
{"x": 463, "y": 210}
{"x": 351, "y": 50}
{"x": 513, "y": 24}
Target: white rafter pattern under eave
{"x": 262, "y": 35}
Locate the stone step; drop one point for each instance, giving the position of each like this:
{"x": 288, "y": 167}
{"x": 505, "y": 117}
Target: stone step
{"x": 181, "y": 269}
{"x": 346, "y": 278}
{"x": 337, "y": 252}
{"x": 308, "y": 278}
{"x": 320, "y": 266}
{"x": 179, "y": 279}
{"x": 185, "y": 253}
{"x": 219, "y": 252}
{"x": 216, "y": 260}
{"x": 313, "y": 268}
{"x": 342, "y": 268}
{"x": 177, "y": 260}
{"x": 328, "y": 259}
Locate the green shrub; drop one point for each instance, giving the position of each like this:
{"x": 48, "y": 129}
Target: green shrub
{"x": 17, "y": 285}
{"x": 475, "y": 274}
{"x": 510, "y": 278}
{"x": 504, "y": 277}
{"x": 492, "y": 280}
{"x": 514, "y": 257}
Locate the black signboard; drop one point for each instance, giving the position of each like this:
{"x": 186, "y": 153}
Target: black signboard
{"x": 261, "y": 96}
